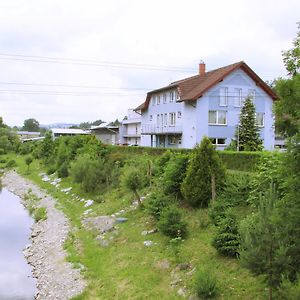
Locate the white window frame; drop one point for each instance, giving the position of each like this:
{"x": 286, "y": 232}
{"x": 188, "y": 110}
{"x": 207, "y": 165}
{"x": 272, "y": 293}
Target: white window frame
{"x": 172, "y": 119}
{"x": 153, "y": 100}
{"x": 158, "y": 100}
{"x": 217, "y": 118}
{"x": 263, "y": 119}
{"x": 164, "y": 98}
{"x": 223, "y": 100}
{"x": 165, "y": 119}
{"x": 238, "y": 97}
{"x": 179, "y": 114}
{"x": 158, "y": 120}
{"x": 217, "y": 141}
{"x": 161, "y": 120}
{"x": 172, "y": 96}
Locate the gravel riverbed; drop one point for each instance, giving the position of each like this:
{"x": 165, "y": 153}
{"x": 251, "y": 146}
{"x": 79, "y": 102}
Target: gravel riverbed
{"x": 56, "y": 278}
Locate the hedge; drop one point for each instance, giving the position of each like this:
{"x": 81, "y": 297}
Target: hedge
{"x": 241, "y": 161}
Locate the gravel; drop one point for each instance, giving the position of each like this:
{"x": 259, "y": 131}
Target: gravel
{"x": 56, "y": 278}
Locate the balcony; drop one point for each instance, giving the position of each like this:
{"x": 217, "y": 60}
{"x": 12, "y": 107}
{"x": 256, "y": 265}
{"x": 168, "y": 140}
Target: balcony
{"x": 161, "y": 129}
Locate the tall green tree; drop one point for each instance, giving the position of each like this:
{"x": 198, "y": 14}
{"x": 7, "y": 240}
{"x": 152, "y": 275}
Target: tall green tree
{"x": 262, "y": 249}
{"x": 205, "y": 174}
{"x": 287, "y": 109}
{"x": 31, "y": 125}
{"x": 248, "y": 131}
{"x": 291, "y": 58}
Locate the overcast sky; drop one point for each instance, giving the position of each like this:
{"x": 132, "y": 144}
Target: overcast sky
{"x": 99, "y": 58}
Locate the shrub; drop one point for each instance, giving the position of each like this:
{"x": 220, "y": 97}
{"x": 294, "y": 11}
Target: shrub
{"x": 205, "y": 174}
{"x": 28, "y": 161}
{"x": 174, "y": 174}
{"x": 51, "y": 170}
{"x": 157, "y": 202}
{"x": 227, "y": 238}
{"x": 205, "y": 285}
{"x": 40, "y": 214}
{"x": 217, "y": 210}
{"x": 2, "y": 151}
{"x": 171, "y": 224}
{"x": 289, "y": 290}
{"x": 10, "y": 164}
{"x": 3, "y": 161}
{"x": 63, "y": 170}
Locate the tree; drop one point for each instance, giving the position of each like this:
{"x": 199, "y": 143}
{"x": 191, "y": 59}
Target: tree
{"x": 205, "y": 174}
{"x": 291, "y": 58}
{"x": 31, "y": 125}
{"x": 262, "y": 249}
{"x": 28, "y": 161}
{"x": 287, "y": 109}
{"x": 132, "y": 180}
{"x": 248, "y": 131}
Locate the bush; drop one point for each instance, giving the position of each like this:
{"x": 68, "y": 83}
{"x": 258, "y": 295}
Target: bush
{"x": 51, "y": 170}
{"x": 204, "y": 166}
{"x": 63, "y": 170}
{"x": 217, "y": 210}
{"x": 205, "y": 285}
{"x": 174, "y": 174}
{"x": 171, "y": 224}
{"x": 2, "y": 151}
{"x": 10, "y": 164}
{"x": 227, "y": 238}
{"x": 40, "y": 214}
{"x": 289, "y": 290}
{"x": 156, "y": 203}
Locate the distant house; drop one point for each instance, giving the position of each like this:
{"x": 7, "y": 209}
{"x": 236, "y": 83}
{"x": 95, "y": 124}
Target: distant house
{"x": 207, "y": 104}
{"x": 130, "y": 129}
{"x": 28, "y": 135}
{"x": 57, "y": 132}
{"x": 107, "y": 134}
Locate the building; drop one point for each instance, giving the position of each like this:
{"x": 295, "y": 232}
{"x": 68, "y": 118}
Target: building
{"x": 29, "y": 135}
{"x": 106, "y": 134}
{"x": 130, "y": 129}
{"x": 180, "y": 114}
{"x": 57, "y": 132}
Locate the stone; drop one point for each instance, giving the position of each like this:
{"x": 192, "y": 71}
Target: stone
{"x": 88, "y": 203}
{"x": 146, "y": 232}
{"x": 121, "y": 220}
{"x": 148, "y": 243}
{"x": 181, "y": 292}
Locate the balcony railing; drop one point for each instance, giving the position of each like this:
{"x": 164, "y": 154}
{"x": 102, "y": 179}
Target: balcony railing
{"x": 161, "y": 129}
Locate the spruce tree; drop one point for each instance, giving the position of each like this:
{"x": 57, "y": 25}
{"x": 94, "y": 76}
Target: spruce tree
{"x": 248, "y": 131}
{"x": 205, "y": 174}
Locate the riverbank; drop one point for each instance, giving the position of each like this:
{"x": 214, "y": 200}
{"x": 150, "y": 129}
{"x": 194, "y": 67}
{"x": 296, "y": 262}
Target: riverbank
{"x": 56, "y": 278}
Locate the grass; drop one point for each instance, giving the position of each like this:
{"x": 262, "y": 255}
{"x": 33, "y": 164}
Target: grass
{"x": 126, "y": 269}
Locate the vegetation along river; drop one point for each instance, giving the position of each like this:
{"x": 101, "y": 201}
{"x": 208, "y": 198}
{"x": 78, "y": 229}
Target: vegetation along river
{"x": 16, "y": 282}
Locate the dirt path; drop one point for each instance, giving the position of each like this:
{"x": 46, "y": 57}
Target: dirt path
{"x": 56, "y": 278}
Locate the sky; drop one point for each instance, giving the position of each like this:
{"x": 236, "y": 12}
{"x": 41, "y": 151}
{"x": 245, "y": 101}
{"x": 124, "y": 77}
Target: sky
{"x": 77, "y": 61}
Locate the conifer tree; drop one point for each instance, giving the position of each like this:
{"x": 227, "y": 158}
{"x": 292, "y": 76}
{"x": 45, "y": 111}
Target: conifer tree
{"x": 248, "y": 131}
{"x": 205, "y": 174}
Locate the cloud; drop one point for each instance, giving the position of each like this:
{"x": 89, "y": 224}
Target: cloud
{"x": 166, "y": 33}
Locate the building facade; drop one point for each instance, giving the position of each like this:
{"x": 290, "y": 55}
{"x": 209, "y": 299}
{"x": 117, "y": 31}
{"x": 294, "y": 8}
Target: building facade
{"x": 130, "y": 129}
{"x": 208, "y": 104}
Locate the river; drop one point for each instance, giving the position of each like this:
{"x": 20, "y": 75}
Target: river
{"x": 16, "y": 282}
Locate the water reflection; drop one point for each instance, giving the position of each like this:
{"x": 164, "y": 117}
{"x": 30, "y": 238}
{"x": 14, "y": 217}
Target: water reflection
{"x": 15, "y": 274}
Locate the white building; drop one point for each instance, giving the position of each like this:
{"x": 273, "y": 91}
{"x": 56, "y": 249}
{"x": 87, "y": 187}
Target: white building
{"x": 107, "y": 134}
{"x": 130, "y": 129}
{"x": 57, "y": 132}
{"x": 180, "y": 114}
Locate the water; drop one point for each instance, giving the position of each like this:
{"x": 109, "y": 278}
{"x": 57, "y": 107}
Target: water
{"x": 16, "y": 282}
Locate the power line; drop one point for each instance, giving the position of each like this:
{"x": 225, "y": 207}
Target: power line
{"x": 90, "y": 62}
{"x": 71, "y": 86}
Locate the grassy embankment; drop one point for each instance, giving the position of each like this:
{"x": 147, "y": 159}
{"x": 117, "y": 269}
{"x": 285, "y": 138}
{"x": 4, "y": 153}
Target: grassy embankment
{"x": 126, "y": 269}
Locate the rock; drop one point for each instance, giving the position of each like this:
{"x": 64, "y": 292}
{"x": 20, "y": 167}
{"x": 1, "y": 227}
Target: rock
{"x": 148, "y": 243}
{"x": 193, "y": 297}
{"x": 175, "y": 282}
{"x": 146, "y": 232}
{"x": 86, "y": 212}
{"x": 191, "y": 273}
{"x": 121, "y": 220}
{"x": 88, "y": 203}
{"x": 184, "y": 266}
{"x": 66, "y": 190}
{"x": 181, "y": 292}
{"x": 100, "y": 223}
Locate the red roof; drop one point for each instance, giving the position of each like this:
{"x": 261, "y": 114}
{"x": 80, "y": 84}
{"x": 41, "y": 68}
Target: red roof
{"x": 194, "y": 87}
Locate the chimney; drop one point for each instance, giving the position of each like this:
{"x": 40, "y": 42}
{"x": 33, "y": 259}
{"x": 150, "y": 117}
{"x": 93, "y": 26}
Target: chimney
{"x": 201, "y": 68}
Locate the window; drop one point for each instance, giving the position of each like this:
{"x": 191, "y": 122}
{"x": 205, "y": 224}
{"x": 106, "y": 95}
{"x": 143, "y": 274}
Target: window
{"x": 166, "y": 119}
{"x": 251, "y": 94}
{"x": 179, "y": 114}
{"x": 171, "y": 96}
{"x": 158, "y": 99}
{"x": 171, "y": 140}
{"x": 164, "y": 98}
{"x": 153, "y": 100}
{"x": 150, "y": 118}
{"x": 162, "y": 119}
{"x": 218, "y": 141}
{"x": 238, "y": 97}
{"x": 172, "y": 119}
{"x": 177, "y": 95}
{"x": 260, "y": 119}
{"x": 157, "y": 120}
{"x": 224, "y": 97}
{"x": 217, "y": 117}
